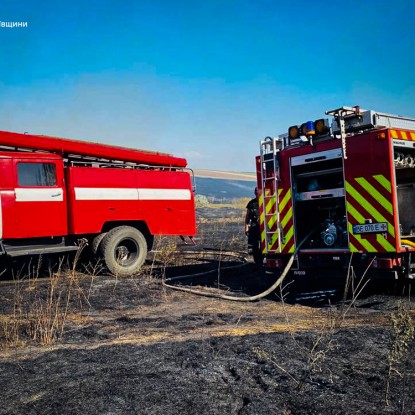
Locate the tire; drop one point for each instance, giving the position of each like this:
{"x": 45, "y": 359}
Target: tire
{"x": 96, "y": 243}
{"x": 124, "y": 250}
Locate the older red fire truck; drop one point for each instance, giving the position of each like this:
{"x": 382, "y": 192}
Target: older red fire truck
{"x": 55, "y": 192}
{"x": 340, "y": 193}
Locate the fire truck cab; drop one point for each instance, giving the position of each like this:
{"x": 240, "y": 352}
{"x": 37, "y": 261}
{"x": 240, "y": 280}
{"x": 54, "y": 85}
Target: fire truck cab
{"x": 55, "y": 192}
{"x": 340, "y": 193}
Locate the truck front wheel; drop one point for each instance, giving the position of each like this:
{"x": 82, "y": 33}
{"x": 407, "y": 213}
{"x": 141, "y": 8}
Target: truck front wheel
{"x": 124, "y": 250}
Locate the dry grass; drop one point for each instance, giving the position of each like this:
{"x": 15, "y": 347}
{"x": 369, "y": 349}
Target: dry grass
{"x": 403, "y": 333}
{"x": 214, "y": 203}
{"x": 40, "y": 306}
{"x": 123, "y": 312}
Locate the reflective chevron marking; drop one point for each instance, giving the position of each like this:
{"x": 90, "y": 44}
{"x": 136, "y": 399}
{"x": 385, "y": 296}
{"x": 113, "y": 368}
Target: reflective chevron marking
{"x": 403, "y": 135}
{"x": 370, "y": 189}
{"x": 384, "y": 182}
{"x": 285, "y": 199}
{"x": 386, "y": 245}
{"x": 368, "y": 207}
{"x": 268, "y": 221}
{"x": 262, "y": 219}
{"x": 286, "y": 220}
{"x": 366, "y": 244}
{"x": 370, "y": 198}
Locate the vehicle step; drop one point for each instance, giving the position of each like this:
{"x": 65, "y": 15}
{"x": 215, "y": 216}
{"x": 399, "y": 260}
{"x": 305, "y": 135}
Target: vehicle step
{"x": 40, "y": 250}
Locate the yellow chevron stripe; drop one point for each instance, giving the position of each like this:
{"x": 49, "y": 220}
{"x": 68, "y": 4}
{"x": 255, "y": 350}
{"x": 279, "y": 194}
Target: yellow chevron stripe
{"x": 262, "y": 216}
{"x": 370, "y": 189}
{"x": 383, "y": 181}
{"x": 368, "y": 207}
{"x": 403, "y": 135}
{"x": 354, "y": 213}
{"x": 274, "y": 238}
{"x": 270, "y": 204}
{"x": 360, "y": 219}
{"x": 412, "y": 136}
{"x": 271, "y": 221}
{"x": 368, "y": 246}
{"x": 263, "y": 237}
{"x": 352, "y": 248}
{"x": 289, "y": 235}
{"x": 394, "y": 134}
{"x": 386, "y": 245}
{"x": 380, "y": 239}
{"x": 284, "y": 201}
{"x": 286, "y": 218}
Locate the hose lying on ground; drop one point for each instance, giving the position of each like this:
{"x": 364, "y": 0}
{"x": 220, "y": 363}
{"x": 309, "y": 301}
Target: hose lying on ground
{"x": 232, "y": 297}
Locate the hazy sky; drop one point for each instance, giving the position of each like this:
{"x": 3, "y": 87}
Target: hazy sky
{"x": 201, "y": 79}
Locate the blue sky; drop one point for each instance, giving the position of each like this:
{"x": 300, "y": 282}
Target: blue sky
{"x": 205, "y": 80}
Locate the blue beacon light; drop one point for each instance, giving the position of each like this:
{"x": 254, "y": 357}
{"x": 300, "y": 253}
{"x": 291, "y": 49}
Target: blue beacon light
{"x": 308, "y": 128}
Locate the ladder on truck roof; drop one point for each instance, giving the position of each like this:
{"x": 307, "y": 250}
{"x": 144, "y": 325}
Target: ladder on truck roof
{"x": 88, "y": 150}
{"x": 353, "y": 119}
{"x": 356, "y": 119}
{"x": 270, "y": 175}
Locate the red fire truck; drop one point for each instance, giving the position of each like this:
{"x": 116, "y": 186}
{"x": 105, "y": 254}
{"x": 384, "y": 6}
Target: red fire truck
{"x": 55, "y": 192}
{"x": 339, "y": 193}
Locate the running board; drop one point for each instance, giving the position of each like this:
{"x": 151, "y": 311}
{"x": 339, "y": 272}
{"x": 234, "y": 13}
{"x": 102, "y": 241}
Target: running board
{"x": 39, "y": 250}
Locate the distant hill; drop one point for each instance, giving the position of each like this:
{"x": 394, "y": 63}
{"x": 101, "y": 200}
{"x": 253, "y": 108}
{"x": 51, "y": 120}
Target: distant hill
{"x": 224, "y": 186}
{"x": 230, "y": 175}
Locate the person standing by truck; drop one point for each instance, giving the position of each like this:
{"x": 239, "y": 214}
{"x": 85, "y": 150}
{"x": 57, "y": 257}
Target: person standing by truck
{"x": 252, "y": 229}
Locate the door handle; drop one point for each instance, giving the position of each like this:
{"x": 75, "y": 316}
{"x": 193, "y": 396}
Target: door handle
{"x": 57, "y": 194}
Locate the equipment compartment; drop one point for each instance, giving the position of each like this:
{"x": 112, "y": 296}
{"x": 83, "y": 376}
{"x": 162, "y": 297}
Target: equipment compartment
{"x": 320, "y": 203}
{"x": 404, "y": 160}
{"x": 321, "y": 179}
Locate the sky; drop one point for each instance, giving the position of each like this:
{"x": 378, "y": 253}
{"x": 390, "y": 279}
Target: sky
{"x": 205, "y": 80}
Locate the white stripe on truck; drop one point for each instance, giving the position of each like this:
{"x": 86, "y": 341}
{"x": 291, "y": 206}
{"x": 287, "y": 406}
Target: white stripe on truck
{"x": 52, "y": 194}
{"x": 164, "y": 194}
{"x": 100, "y": 193}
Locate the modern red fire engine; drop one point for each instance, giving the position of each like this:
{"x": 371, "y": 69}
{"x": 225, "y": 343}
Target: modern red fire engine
{"x": 55, "y": 192}
{"x": 340, "y": 193}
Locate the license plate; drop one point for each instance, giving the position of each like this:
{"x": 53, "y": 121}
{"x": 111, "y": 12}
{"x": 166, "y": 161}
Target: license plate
{"x": 379, "y": 227}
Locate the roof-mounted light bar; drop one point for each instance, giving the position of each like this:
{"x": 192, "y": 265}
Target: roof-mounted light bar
{"x": 308, "y": 131}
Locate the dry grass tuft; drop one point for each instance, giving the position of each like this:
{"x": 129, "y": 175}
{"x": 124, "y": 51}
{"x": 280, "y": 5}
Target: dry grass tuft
{"x": 40, "y": 306}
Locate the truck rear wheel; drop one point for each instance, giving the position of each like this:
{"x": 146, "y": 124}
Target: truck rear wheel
{"x": 124, "y": 250}
{"x": 96, "y": 243}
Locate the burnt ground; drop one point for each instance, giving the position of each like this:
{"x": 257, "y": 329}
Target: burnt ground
{"x": 132, "y": 346}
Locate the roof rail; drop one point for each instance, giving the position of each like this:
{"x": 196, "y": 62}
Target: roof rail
{"x": 66, "y": 147}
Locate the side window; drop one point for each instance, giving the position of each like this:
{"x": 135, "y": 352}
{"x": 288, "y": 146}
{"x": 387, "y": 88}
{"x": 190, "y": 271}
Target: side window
{"x": 36, "y": 174}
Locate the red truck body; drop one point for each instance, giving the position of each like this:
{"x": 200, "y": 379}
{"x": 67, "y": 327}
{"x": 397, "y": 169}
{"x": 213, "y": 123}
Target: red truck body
{"x": 341, "y": 196}
{"x": 55, "y": 191}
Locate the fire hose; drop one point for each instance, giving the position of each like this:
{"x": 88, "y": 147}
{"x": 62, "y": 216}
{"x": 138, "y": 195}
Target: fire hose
{"x": 256, "y": 297}
{"x": 406, "y": 242}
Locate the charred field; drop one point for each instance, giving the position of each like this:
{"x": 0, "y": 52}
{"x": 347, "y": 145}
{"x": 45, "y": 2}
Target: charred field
{"x": 83, "y": 342}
